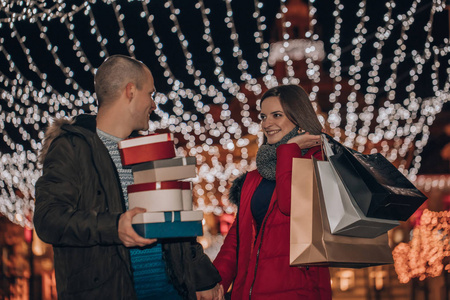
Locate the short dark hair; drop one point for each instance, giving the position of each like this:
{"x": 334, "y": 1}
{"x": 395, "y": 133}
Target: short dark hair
{"x": 114, "y": 74}
{"x": 297, "y": 106}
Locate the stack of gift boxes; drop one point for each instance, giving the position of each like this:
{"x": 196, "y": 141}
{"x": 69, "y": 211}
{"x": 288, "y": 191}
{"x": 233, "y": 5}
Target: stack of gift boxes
{"x": 157, "y": 187}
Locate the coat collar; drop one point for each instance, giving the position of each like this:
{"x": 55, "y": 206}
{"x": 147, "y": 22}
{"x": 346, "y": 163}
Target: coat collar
{"x": 58, "y": 127}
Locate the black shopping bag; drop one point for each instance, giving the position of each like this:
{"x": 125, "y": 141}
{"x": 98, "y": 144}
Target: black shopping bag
{"x": 378, "y": 187}
{"x": 311, "y": 240}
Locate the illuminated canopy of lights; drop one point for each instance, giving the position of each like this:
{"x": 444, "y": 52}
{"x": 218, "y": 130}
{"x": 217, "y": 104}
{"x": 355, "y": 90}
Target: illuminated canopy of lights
{"x": 377, "y": 110}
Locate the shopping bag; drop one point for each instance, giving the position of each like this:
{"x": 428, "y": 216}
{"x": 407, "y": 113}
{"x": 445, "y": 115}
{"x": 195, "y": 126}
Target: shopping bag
{"x": 311, "y": 241}
{"x": 343, "y": 214}
{"x": 377, "y": 186}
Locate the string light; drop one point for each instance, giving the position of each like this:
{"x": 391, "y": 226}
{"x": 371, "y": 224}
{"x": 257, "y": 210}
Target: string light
{"x": 95, "y": 30}
{"x": 36, "y": 10}
{"x": 334, "y": 115}
{"x": 122, "y": 32}
{"x": 237, "y": 51}
{"x": 285, "y": 37}
{"x": 226, "y": 82}
{"x": 414, "y": 112}
{"x": 313, "y": 71}
{"x": 77, "y": 46}
{"x": 264, "y": 47}
{"x": 354, "y": 72}
{"x": 367, "y": 114}
{"x": 426, "y": 183}
{"x": 54, "y": 51}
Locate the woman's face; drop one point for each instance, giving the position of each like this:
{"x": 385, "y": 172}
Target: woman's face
{"x": 274, "y": 121}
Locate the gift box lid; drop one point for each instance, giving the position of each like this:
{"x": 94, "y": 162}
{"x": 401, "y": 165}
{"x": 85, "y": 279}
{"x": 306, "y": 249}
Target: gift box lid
{"x": 147, "y": 139}
{"x": 147, "y": 152}
{"x": 152, "y": 186}
{"x": 165, "y": 163}
{"x": 170, "y": 216}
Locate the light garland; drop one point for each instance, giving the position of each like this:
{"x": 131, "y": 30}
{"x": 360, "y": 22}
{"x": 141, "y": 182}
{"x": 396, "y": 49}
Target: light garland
{"x": 367, "y": 114}
{"x": 313, "y": 71}
{"x": 424, "y": 255}
{"x": 268, "y": 77}
{"x": 355, "y": 72}
{"x": 290, "y": 79}
{"x": 17, "y": 10}
{"x": 426, "y": 183}
{"x": 224, "y": 147}
{"x": 77, "y": 45}
{"x": 413, "y": 112}
{"x": 226, "y": 82}
{"x": 122, "y": 32}
{"x": 334, "y": 115}
{"x": 237, "y": 51}
{"x": 391, "y": 85}
{"x": 68, "y": 73}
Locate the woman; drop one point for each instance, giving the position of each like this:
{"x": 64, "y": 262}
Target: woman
{"x": 255, "y": 254}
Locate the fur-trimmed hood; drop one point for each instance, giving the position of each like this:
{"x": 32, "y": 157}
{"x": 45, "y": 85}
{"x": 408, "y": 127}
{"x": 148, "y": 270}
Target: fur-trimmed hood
{"x": 58, "y": 127}
{"x": 53, "y": 131}
{"x": 235, "y": 191}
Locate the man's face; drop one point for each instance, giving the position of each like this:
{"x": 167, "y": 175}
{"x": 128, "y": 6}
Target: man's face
{"x": 143, "y": 103}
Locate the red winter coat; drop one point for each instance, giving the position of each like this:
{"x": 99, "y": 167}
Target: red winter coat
{"x": 262, "y": 268}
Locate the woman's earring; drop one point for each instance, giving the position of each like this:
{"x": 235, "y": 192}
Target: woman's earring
{"x": 300, "y": 131}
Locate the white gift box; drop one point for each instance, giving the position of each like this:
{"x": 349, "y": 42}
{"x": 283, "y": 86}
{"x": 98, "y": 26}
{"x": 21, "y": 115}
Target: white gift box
{"x": 156, "y": 196}
{"x": 164, "y": 170}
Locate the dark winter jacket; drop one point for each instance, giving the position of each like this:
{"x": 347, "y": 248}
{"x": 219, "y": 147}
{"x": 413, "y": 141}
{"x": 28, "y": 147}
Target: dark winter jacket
{"x": 78, "y": 205}
{"x": 259, "y": 265}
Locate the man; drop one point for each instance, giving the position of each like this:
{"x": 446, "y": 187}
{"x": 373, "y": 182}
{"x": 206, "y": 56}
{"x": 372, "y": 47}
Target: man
{"x": 81, "y": 202}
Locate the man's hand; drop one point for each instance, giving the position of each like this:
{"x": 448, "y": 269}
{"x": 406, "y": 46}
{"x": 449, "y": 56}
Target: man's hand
{"x": 127, "y": 235}
{"x": 216, "y": 293}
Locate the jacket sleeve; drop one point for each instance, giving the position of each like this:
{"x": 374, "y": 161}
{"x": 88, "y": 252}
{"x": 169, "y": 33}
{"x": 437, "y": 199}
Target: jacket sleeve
{"x": 324, "y": 285}
{"x": 285, "y": 155}
{"x": 205, "y": 273}
{"x": 225, "y": 261}
{"x": 58, "y": 219}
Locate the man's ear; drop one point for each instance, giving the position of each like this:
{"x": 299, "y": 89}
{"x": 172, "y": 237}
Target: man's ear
{"x": 130, "y": 90}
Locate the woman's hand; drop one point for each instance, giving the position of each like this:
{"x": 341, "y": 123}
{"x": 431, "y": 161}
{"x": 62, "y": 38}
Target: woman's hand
{"x": 306, "y": 140}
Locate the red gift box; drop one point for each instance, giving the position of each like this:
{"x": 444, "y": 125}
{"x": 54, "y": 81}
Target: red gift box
{"x": 156, "y": 196}
{"x": 146, "y": 148}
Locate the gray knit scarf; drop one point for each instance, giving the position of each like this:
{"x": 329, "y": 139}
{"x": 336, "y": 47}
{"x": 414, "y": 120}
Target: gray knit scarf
{"x": 266, "y": 158}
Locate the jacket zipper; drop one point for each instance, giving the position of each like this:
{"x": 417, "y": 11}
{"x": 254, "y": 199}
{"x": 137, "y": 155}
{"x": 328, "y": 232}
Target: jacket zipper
{"x": 259, "y": 249}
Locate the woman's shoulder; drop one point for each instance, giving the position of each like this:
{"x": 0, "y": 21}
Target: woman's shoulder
{"x": 236, "y": 187}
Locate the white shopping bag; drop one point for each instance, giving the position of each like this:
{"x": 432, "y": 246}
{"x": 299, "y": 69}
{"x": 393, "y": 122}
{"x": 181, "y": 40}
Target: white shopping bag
{"x": 344, "y": 215}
